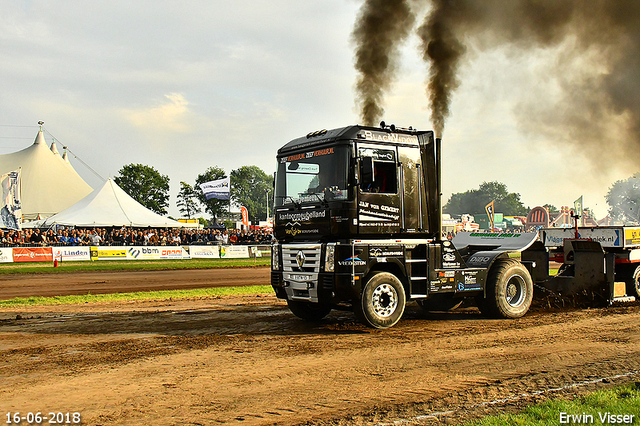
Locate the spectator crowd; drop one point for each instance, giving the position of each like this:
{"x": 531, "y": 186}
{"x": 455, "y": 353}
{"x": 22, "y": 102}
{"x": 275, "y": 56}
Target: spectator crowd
{"x": 133, "y": 236}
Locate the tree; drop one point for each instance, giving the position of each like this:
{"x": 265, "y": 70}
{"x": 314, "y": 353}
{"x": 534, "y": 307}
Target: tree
{"x": 187, "y": 203}
{"x": 249, "y": 187}
{"x": 623, "y": 199}
{"x": 475, "y": 200}
{"x": 145, "y": 185}
{"x": 551, "y": 208}
{"x": 213, "y": 206}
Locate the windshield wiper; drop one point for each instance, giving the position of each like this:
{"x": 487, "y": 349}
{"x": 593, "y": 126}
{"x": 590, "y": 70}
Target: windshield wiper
{"x": 298, "y": 205}
{"x": 323, "y": 200}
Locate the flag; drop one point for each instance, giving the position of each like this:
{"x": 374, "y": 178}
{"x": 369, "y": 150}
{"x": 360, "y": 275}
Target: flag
{"x": 489, "y": 209}
{"x": 219, "y": 189}
{"x": 11, "y": 207}
{"x": 577, "y": 206}
{"x": 245, "y": 216}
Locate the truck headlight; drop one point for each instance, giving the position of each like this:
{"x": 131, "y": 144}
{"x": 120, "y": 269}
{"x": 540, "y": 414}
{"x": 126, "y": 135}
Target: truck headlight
{"x": 275, "y": 257}
{"x": 330, "y": 258}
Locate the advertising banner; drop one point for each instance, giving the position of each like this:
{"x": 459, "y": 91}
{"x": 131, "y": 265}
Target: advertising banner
{"x": 245, "y": 216}
{"x": 6, "y": 255}
{"x": 108, "y": 253}
{"x": 32, "y": 254}
{"x": 219, "y": 189}
{"x": 234, "y": 252}
{"x": 10, "y": 205}
{"x": 71, "y": 253}
{"x": 156, "y": 253}
{"x": 204, "y": 252}
{"x": 174, "y": 253}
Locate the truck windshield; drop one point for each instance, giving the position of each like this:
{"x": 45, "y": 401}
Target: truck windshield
{"x": 313, "y": 176}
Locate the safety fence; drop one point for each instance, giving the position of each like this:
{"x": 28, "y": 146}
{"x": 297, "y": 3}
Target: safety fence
{"x": 79, "y": 253}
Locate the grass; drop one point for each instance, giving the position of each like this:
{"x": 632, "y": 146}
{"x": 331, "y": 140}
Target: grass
{"x": 619, "y": 401}
{"x": 129, "y": 265}
{"x": 146, "y": 295}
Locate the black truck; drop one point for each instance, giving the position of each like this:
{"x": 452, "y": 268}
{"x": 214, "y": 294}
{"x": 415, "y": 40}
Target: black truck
{"x": 358, "y": 226}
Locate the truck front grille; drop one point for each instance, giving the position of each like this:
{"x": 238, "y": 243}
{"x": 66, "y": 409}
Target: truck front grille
{"x": 301, "y": 258}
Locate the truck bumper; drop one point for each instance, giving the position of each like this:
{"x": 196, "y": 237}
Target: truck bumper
{"x": 323, "y": 287}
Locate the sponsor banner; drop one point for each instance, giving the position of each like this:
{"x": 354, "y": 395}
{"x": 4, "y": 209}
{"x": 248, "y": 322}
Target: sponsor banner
{"x": 108, "y": 253}
{"x": 32, "y": 254}
{"x": 143, "y": 253}
{"x": 10, "y": 205}
{"x": 234, "y": 252}
{"x": 218, "y": 189}
{"x": 6, "y": 255}
{"x": 174, "y": 253}
{"x": 71, "y": 253}
{"x": 245, "y": 216}
{"x": 607, "y": 237}
{"x": 156, "y": 252}
{"x": 207, "y": 252}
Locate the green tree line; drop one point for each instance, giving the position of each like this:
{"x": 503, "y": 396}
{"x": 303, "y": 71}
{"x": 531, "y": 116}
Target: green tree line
{"x": 251, "y": 187}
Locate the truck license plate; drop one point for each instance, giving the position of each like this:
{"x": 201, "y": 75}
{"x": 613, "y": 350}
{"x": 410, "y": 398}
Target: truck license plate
{"x": 298, "y": 277}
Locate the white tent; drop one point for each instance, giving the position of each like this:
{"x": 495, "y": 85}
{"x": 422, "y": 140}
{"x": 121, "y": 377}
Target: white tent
{"x": 49, "y": 183}
{"x": 110, "y": 206}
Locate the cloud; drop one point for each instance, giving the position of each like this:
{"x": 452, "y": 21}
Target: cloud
{"x": 173, "y": 115}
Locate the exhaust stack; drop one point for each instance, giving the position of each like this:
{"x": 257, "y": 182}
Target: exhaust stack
{"x": 432, "y": 170}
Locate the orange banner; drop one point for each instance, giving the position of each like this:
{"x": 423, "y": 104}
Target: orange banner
{"x": 245, "y": 216}
{"x": 32, "y": 254}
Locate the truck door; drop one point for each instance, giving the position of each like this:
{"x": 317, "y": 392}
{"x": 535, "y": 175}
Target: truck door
{"x": 379, "y": 191}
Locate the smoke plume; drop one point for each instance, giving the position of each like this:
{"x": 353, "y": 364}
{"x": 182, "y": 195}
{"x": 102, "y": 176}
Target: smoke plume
{"x": 596, "y": 70}
{"x": 380, "y": 28}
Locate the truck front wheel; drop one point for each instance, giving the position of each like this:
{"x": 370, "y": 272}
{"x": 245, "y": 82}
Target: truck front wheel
{"x": 509, "y": 290}
{"x": 309, "y": 311}
{"x": 382, "y": 301}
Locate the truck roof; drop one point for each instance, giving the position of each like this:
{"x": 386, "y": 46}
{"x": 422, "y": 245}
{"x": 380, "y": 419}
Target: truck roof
{"x": 321, "y": 137}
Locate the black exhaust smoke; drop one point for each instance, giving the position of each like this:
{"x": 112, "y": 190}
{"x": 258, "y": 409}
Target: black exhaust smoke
{"x": 597, "y": 69}
{"x": 380, "y": 29}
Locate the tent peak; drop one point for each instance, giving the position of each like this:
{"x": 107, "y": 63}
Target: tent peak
{"x": 54, "y": 148}
{"x": 40, "y": 139}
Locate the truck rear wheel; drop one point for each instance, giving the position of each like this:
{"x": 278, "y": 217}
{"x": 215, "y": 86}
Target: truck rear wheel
{"x": 309, "y": 311}
{"x": 633, "y": 288}
{"x": 509, "y": 290}
{"x": 382, "y": 301}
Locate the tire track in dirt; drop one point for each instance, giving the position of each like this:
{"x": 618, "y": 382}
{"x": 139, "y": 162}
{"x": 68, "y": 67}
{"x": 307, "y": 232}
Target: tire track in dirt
{"x": 247, "y": 359}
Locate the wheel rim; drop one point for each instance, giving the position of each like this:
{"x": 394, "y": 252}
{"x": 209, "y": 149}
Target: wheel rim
{"x": 516, "y": 291}
{"x": 384, "y": 300}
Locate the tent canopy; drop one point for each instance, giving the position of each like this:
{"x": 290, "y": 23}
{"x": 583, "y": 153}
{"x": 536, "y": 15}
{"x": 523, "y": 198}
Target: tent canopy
{"x": 49, "y": 183}
{"x": 110, "y": 206}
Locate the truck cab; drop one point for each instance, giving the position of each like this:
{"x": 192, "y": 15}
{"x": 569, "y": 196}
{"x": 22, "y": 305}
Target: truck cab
{"x": 358, "y": 222}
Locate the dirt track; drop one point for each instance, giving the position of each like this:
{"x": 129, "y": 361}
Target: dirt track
{"x": 117, "y": 282}
{"x": 247, "y": 360}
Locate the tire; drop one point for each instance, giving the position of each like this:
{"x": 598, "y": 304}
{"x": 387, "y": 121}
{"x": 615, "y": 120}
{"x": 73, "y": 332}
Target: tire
{"x": 633, "y": 288}
{"x": 509, "y": 290}
{"x": 439, "y": 302}
{"x": 382, "y": 301}
{"x": 309, "y": 311}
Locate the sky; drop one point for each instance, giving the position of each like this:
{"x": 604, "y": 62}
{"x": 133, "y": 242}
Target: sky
{"x": 182, "y": 86}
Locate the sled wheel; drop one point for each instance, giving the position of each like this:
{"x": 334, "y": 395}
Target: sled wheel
{"x": 309, "y": 311}
{"x": 382, "y": 301}
{"x": 509, "y": 289}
